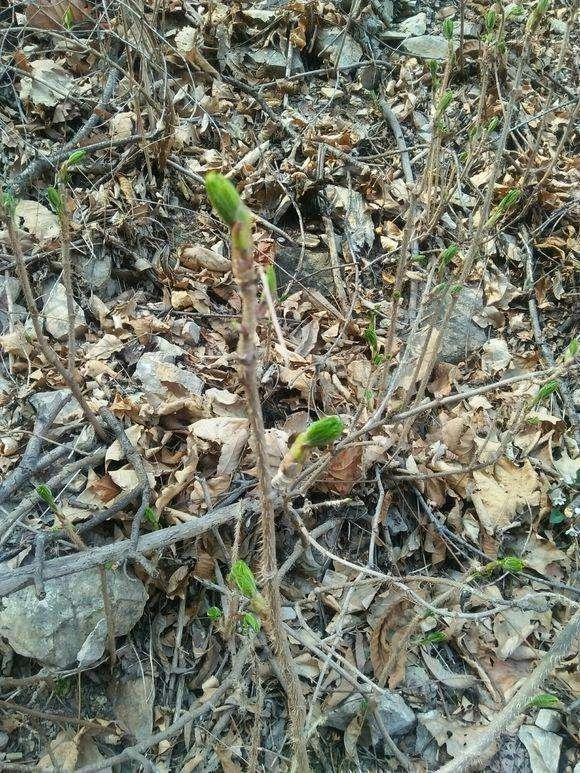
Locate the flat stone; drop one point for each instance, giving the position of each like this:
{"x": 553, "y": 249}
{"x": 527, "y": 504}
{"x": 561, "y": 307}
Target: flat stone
{"x": 191, "y": 332}
{"x": 427, "y": 46}
{"x": 133, "y": 705}
{"x": 164, "y": 379}
{"x": 272, "y": 62}
{"x": 329, "y": 46}
{"x": 462, "y": 336}
{"x": 394, "y": 712}
{"x": 42, "y": 403}
{"x": 414, "y": 26}
{"x": 543, "y": 748}
{"x": 53, "y": 630}
{"x": 548, "y": 719}
{"x": 352, "y": 216}
{"x": 315, "y": 270}
{"x": 55, "y": 314}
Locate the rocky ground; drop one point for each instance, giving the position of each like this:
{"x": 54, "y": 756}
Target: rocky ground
{"x": 411, "y": 173}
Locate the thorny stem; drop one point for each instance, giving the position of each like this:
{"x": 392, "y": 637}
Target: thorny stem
{"x": 45, "y": 346}
{"x": 245, "y": 275}
{"x": 67, "y": 274}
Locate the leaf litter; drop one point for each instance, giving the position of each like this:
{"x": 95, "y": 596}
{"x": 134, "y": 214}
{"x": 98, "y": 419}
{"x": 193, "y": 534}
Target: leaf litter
{"x": 407, "y": 632}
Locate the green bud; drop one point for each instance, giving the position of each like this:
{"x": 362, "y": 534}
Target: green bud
{"x": 225, "y": 199}
{"x": 151, "y": 517}
{"x": 75, "y": 158}
{"x": 543, "y": 701}
{"x": 271, "y": 281}
{"x": 509, "y": 199}
{"x": 435, "y": 637}
{"x": 9, "y": 204}
{"x": 448, "y": 254}
{"x": 444, "y": 102}
{"x": 370, "y": 335}
{"x": 492, "y": 125}
{"x": 323, "y": 432}
{"x": 68, "y": 18}
{"x": 250, "y": 623}
{"x": 242, "y": 576}
{"x": 47, "y": 496}
{"x": 455, "y": 289}
{"x": 571, "y": 349}
{"x": 54, "y": 199}
{"x": 433, "y": 67}
{"x": 214, "y": 613}
{"x": 512, "y": 564}
{"x": 490, "y": 20}
{"x": 545, "y": 391}
{"x": 535, "y": 17}
{"x": 448, "y": 29}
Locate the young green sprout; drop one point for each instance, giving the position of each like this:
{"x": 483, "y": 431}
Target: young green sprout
{"x": 543, "y": 701}
{"x": 47, "y": 497}
{"x": 319, "y": 434}
{"x": 214, "y": 614}
{"x": 444, "y": 102}
{"x": 243, "y": 578}
{"x": 545, "y": 391}
{"x": 448, "y": 29}
{"x": 227, "y": 203}
{"x": 250, "y": 623}
{"x": 509, "y": 200}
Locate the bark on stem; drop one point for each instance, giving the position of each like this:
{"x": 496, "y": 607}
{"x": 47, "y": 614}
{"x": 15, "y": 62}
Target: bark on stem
{"x": 245, "y": 275}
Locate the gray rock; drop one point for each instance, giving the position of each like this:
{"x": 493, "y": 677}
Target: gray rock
{"x": 315, "y": 270}
{"x": 190, "y": 332}
{"x": 54, "y": 630}
{"x": 548, "y": 719}
{"x": 42, "y": 403}
{"x": 133, "y": 705}
{"x": 543, "y": 748}
{"x": 427, "y": 46}
{"x": 353, "y": 216}
{"x": 164, "y": 379}
{"x": 270, "y": 61}
{"x": 394, "y": 712}
{"x": 414, "y": 26}
{"x": 9, "y": 284}
{"x": 329, "y": 46}
{"x": 55, "y": 316}
{"x": 4, "y": 738}
{"x": 462, "y": 336}
{"x": 96, "y": 270}
{"x": 166, "y": 351}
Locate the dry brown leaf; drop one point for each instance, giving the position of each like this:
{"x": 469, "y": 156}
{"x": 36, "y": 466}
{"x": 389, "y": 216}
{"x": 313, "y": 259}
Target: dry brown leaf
{"x": 389, "y": 637}
{"x": 48, "y": 84}
{"x": 37, "y": 220}
{"x": 343, "y": 472}
{"x": 501, "y": 494}
{"x": 446, "y": 676}
{"x": 49, "y": 14}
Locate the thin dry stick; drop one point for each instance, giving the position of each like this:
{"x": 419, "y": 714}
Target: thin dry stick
{"x": 132, "y": 456}
{"x": 479, "y": 751}
{"x": 47, "y": 350}
{"x": 27, "y": 503}
{"x": 12, "y": 580}
{"x": 245, "y": 275}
